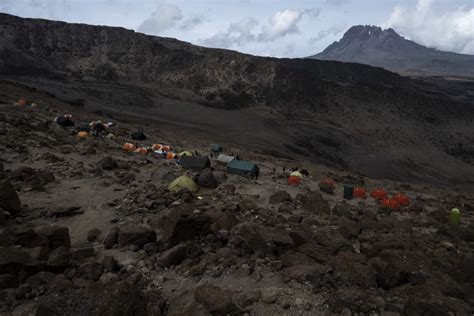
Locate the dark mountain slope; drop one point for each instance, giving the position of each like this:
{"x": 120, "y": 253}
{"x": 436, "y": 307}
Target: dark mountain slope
{"x": 344, "y": 114}
{"x": 385, "y": 48}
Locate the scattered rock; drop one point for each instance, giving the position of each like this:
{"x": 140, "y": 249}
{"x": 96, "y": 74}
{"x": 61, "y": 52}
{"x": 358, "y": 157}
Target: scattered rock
{"x": 279, "y": 197}
{"x": 9, "y": 200}
{"x": 59, "y": 258}
{"x": 108, "y": 163}
{"x": 264, "y": 239}
{"x": 90, "y": 271}
{"x": 216, "y": 300}
{"x": 112, "y": 238}
{"x": 93, "y": 234}
{"x": 82, "y": 253}
{"x": 136, "y": 235}
{"x": 173, "y": 256}
{"x": 67, "y": 211}
{"x": 207, "y": 180}
{"x": 315, "y": 203}
{"x": 57, "y": 235}
{"x": 7, "y": 281}
{"x": 271, "y": 294}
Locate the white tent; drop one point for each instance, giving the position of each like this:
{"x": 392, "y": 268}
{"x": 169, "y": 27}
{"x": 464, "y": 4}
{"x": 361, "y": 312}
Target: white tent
{"x": 224, "y": 159}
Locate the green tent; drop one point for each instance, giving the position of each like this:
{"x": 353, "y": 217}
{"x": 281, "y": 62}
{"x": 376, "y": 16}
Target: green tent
{"x": 242, "y": 168}
{"x": 183, "y": 182}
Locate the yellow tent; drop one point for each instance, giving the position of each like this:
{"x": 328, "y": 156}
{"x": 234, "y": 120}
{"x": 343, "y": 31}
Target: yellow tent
{"x": 82, "y": 135}
{"x": 185, "y": 153}
{"x": 296, "y": 174}
{"x": 183, "y": 182}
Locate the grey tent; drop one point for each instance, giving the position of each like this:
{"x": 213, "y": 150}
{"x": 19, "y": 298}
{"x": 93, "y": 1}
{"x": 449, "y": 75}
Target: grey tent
{"x": 216, "y": 148}
{"x": 195, "y": 163}
{"x": 242, "y": 168}
{"x": 224, "y": 159}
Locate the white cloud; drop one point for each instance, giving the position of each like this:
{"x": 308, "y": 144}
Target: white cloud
{"x": 281, "y": 24}
{"x": 448, "y": 30}
{"x": 334, "y": 30}
{"x": 190, "y": 23}
{"x": 165, "y": 17}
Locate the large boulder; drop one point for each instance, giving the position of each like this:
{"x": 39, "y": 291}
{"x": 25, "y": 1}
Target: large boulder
{"x": 264, "y": 239}
{"x": 216, "y": 300}
{"x": 17, "y": 257}
{"x": 9, "y": 200}
{"x": 173, "y": 256}
{"x": 59, "y": 259}
{"x": 136, "y": 235}
{"x": 58, "y": 236}
{"x": 27, "y": 237}
{"x": 314, "y": 202}
{"x": 187, "y": 228}
{"x": 91, "y": 271}
{"x": 163, "y": 175}
{"x": 206, "y": 179}
{"x": 279, "y": 197}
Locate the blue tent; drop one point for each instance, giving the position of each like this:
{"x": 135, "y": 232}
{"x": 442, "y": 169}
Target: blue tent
{"x": 242, "y": 168}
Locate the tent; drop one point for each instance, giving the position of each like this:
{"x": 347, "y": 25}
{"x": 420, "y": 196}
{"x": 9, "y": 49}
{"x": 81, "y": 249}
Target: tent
{"x": 359, "y": 193}
{"x": 296, "y": 174}
{"x": 170, "y": 155}
{"x": 216, "y": 148}
{"x": 141, "y": 151}
{"x": 378, "y": 194}
{"x": 165, "y": 148}
{"x": 243, "y": 168}
{"x": 195, "y": 163}
{"x": 21, "y": 101}
{"x": 82, "y": 135}
{"x": 292, "y": 180}
{"x": 185, "y": 154}
{"x": 138, "y": 135}
{"x": 156, "y": 147}
{"x": 183, "y": 182}
{"x": 402, "y": 199}
{"x": 224, "y": 159}
{"x": 128, "y": 147}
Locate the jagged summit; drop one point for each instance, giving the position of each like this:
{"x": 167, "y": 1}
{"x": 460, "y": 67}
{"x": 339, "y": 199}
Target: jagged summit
{"x": 385, "y": 48}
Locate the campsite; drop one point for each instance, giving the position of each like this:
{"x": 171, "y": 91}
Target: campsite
{"x": 171, "y": 236}
{"x": 145, "y": 175}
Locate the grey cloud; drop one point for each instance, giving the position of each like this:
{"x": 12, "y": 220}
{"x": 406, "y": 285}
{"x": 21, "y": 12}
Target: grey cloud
{"x": 190, "y": 23}
{"x": 237, "y": 33}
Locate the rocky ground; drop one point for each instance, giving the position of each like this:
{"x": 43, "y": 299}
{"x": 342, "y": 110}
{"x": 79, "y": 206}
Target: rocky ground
{"x": 89, "y": 229}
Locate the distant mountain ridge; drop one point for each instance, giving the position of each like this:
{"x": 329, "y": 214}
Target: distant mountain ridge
{"x": 374, "y": 46}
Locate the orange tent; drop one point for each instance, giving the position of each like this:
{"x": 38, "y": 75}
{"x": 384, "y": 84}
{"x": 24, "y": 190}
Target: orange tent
{"x": 170, "y": 155}
{"x": 156, "y": 147}
{"x": 21, "y": 101}
{"x": 294, "y": 180}
{"x": 378, "y": 194}
{"x": 82, "y": 135}
{"x": 359, "y": 193}
{"x": 165, "y": 148}
{"x": 402, "y": 199}
{"x": 128, "y": 147}
{"x": 141, "y": 151}
{"x": 390, "y": 204}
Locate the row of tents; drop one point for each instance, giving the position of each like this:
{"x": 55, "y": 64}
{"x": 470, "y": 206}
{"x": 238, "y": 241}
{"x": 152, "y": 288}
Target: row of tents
{"x": 197, "y": 163}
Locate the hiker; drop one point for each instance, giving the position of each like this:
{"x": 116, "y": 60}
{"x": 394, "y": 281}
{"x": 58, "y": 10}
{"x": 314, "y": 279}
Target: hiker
{"x": 304, "y": 172}
{"x": 237, "y": 157}
{"x": 98, "y": 129}
{"x": 64, "y": 120}
{"x": 256, "y": 174}
{"x": 274, "y": 170}
{"x": 284, "y": 169}
{"x": 196, "y": 153}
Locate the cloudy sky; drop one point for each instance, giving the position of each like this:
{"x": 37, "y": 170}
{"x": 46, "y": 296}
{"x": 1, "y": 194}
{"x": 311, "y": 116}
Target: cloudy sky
{"x": 281, "y": 28}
